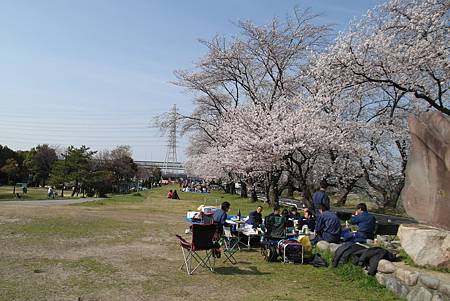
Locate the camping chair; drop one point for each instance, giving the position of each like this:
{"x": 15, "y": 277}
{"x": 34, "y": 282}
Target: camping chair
{"x": 202, "y": 240}
{"x": 231, "y": 245}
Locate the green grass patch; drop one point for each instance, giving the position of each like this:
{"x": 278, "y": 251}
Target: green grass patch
{"x": 114, "y": 200}
{"x": 33, "y": 193}
{"x": 64, "y": 227}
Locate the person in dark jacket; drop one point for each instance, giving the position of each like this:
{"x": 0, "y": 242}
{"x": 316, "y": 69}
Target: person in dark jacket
{"x": 285, "y": 214}
{"x": 320, "y": 198}
{"x": 275, "y": 224}
{"x": 308, "y": 219}
{"x": 328, "y": 226}
{"x": 255, "y": 217}
{"x": 366, "y": 223}
{"x": 294, "y": 214}
{"x": 175, "y": 195}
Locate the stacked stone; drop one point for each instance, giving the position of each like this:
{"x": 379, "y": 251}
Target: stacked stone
{"x": 414, "y": 285}
{"x": 326, "y": 246}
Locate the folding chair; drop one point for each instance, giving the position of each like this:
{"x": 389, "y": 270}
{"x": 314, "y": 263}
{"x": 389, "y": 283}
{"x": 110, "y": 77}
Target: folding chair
{"x": 202, "y": 240}
{"x": 231, "y": 245}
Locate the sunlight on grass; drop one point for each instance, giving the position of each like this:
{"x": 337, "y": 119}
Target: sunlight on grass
{"x": 128, "y": 242}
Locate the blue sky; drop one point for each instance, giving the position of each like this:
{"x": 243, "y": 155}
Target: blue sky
{"x": 96, "y": 72}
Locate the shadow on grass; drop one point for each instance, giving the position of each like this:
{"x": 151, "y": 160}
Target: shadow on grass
{"x": 252, "y": 270}
{"x": 252, "y": 250}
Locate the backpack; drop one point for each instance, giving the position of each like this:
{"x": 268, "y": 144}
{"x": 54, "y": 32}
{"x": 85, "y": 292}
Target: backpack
{"x": 290, "y": 251}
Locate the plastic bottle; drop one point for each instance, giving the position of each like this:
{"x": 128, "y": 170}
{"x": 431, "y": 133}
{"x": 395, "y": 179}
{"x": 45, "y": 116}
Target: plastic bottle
{"x": 305, "y": 229}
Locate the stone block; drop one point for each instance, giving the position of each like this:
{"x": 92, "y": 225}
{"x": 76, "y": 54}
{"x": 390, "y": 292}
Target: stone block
{"x": 397, "y": 287}
{"x": 419, "y": 294}
{"x": 323, "y": 245}
{"x": 429, "y": 281}
{"x": 426, "y": 245}
{"x": 428, "y": 170}
{"x": 438, "y": 297}
{"x": 385, "y": 266}
{"x": 444, "y": 288}
{"x": 382, "y": 278}
{"x": 406, "y": 276}
{"x": 334, "y": 247}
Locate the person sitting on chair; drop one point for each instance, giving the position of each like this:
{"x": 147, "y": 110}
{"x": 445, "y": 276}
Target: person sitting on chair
{"x": 255, "y": 217}
{"x": 308, "y": 219}
{"x": 275, "y": 224}
{"x": 289, "y": 222}
{"x": 366, "y": 225}
{"x": 294, "y": 213}
{"x": 328, "y": 226}
{"x": 220, "y": 215}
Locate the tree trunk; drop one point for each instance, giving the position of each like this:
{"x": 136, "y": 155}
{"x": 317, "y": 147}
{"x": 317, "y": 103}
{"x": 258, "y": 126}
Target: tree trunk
{"x": 253, "y": 196}
{"x": 274, "y": 199}
{"x": 232, "y": 188}
{"x": 347, "y": 189}
{"x": 343, "y": 198}
{"x": 290, "y": 190}
{"x": 62, "y": 191}
{"x": 274, "y": 193}
{"x": 267, "y": 192}
{"x": 228, "y": 187}
{"x": 244, "y": 192}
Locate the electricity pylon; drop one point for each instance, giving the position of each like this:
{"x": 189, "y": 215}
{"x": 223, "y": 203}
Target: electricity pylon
{"x": 171, "y": 154}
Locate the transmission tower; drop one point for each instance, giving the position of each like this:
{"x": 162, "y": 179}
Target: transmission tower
{"x": 171, "y": 154}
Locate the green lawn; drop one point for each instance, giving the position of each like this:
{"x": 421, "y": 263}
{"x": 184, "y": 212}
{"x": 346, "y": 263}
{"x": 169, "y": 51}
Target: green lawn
{"x": 124, "y": 248}
{"x": 33, "y": 193}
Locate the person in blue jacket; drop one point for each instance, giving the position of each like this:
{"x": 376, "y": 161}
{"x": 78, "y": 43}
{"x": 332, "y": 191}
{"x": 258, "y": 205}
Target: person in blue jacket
{"x": 328, "y": 226}
{"x": 320, "y": 197}
{"x": 220, "y": 215}
{"x": 366, "y": 223}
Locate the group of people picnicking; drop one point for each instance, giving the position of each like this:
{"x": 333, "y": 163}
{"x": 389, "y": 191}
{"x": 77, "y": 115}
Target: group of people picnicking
{"x": 319, "y": 220}
{"x": 193, "y": 186}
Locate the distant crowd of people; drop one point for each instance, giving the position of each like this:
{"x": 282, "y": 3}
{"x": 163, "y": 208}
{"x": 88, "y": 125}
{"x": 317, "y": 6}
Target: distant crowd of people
{"x": 193, "y": 186}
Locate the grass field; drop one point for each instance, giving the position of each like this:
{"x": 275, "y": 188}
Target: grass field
{"x": 124, "y": 248}
{"x": 33, "y": 193}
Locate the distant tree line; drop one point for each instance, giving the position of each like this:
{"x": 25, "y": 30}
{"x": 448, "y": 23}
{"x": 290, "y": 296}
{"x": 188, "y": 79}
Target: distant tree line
{"x": 81, "y": 170}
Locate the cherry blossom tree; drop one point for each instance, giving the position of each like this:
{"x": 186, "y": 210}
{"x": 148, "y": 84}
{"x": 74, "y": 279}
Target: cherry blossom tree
{"x": 261, "y": 67}
{"x": 273, "y": 101}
